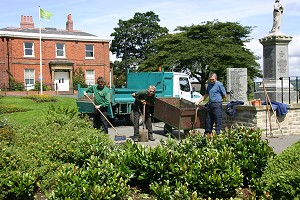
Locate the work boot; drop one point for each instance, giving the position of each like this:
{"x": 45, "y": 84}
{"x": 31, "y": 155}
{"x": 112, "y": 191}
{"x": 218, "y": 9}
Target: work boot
{"x": 208, "y": 135}
{"x": 151, "y": 137}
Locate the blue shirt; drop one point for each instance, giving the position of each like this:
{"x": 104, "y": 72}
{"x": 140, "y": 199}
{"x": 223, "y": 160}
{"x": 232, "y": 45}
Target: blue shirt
{"x": 215, "y": 91}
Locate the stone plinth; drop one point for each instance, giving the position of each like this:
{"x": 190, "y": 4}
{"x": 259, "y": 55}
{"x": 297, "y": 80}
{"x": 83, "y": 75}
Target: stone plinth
{"x": 276, "y": 69}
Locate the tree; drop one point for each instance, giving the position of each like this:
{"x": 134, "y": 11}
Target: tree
{"x": 200, "y": 49}
{"x": 118, "y": 68}
{"x": 78, "y": 78}
{"x": 131, "y": 39}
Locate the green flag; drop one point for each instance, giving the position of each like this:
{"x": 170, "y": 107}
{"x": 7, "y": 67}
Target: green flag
{"x": 45, "y": 14}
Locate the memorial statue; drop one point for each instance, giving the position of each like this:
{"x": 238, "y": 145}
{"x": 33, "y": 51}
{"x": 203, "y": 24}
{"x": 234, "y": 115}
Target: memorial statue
{"x": 277, "y": 15}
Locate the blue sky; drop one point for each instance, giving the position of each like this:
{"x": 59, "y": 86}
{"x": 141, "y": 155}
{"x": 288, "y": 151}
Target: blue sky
{"x": 99, "y": 17}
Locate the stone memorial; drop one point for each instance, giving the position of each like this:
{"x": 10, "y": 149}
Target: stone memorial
{"x": 275, "y": 63}
{"x": 237, "y": 84}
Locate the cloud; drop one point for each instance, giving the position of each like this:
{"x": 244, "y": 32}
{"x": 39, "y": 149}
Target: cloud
{"x": 294, "y": 47}
{"x": 100, "y": 17}
{"x": 294, "y": 56}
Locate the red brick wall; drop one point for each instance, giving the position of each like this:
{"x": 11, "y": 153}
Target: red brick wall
{"x": 74, "y": 50}
{"x": 3, "y": 60}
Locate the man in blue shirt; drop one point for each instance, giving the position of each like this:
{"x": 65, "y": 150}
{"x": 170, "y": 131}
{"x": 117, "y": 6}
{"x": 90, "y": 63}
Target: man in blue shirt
{"x": 216, "y": 92}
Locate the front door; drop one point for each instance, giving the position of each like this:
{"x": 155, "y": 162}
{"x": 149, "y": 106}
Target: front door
{"x": 62, "y": 81}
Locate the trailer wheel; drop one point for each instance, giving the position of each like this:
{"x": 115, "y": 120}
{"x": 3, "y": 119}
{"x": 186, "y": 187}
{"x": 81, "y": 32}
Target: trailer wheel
{"x": 132, "y": 116}
{"x": 167, "y": 129}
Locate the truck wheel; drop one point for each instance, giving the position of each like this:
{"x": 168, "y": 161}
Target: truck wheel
{"x": 128, "y": 120}
{"x": 111, "y": 120}
{"x": 132, "y": 116}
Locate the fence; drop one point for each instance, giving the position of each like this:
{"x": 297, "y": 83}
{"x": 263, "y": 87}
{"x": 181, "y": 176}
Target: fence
{"x": 25, "y": 90}
{"x": 287, "y": 85}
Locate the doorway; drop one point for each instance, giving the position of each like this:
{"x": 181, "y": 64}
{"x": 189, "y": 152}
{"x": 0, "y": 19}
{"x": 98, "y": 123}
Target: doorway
{"x": 62, "y": 81}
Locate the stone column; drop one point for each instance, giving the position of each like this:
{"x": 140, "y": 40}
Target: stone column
{"x": 53, "y": 80}
{"x": 275, "y": 66}
{"x": 71, "y": 80}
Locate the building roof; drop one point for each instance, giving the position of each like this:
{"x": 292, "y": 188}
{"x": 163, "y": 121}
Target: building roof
{"x": 49, "y": 33}
{"x": 28, "y": 31}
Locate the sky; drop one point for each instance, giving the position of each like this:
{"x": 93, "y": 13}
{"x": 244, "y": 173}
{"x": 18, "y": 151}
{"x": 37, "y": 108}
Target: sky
{"x": 100, "y": 17}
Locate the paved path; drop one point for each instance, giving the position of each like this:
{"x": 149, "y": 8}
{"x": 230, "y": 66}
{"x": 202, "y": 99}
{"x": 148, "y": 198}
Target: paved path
{"x": 279, "y": 143}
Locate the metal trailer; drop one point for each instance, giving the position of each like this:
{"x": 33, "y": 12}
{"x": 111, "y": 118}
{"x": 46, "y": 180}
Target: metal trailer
{"x": 180, "y": 114}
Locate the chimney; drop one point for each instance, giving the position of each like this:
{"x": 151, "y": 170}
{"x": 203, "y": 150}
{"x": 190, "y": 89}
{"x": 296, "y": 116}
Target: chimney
{"x": 26, "y": 22}
{"x": 69, "y": 24}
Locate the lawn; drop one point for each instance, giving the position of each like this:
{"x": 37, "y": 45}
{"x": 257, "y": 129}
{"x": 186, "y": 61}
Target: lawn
{"x": 35, "y": 110}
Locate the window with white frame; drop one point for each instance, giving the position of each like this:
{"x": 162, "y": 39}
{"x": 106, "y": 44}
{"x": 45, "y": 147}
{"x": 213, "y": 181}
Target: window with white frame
{"x": 90, "y": 77}
{"x": 89, "y": 51}
{"x": 28, "y": 49}
{"x": 60, "y": 50}
{"x": 29, "y": 78}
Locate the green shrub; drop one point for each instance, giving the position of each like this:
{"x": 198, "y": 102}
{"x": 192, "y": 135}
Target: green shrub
{"x": 167, "y": 192}
{"x": 17, "y": 185}
{"x": 96, "y": 180}
{"x": 78, "y": 78}
{"x": 42, "y": 148}
{"x": 37, "y": 86}
{"x": 250, "y": 152}
{"x": 63, "y": 153}
{"x": 11, "y": 109}
{"x": 16, "y": 86}
{"x": 282, "y": 175}
{"x": 7, "y": 133}
{"x": 40, "y": 98}
{"x": 203, "y": 167}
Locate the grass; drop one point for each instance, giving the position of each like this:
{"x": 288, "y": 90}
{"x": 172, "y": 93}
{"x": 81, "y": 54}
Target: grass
{"x": 36, "y": 110}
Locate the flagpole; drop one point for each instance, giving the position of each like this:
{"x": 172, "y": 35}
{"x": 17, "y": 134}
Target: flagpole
{"x": 41, "y": 68}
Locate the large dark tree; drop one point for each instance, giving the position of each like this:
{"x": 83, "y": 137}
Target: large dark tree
{"x": 131, "y": 38}
{"x": 200, "y": 49}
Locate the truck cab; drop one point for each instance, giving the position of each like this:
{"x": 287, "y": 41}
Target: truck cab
{"x": 168, "y": 84}
{"x": 183, "y": 88}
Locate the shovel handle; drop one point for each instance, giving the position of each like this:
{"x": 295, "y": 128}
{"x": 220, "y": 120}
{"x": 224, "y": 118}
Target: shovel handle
{"x": 196, "y": 116}
{"x": 144, "y": 110}
{"x": 102, "y": 113}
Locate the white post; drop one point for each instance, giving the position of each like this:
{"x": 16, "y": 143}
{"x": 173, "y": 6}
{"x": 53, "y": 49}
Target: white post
{"x": 41, "y": 67}
{"x": 110, "y": 74}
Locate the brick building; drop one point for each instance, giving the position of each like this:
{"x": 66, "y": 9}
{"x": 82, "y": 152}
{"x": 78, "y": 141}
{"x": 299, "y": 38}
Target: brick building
{"x": 63, "y": 52}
